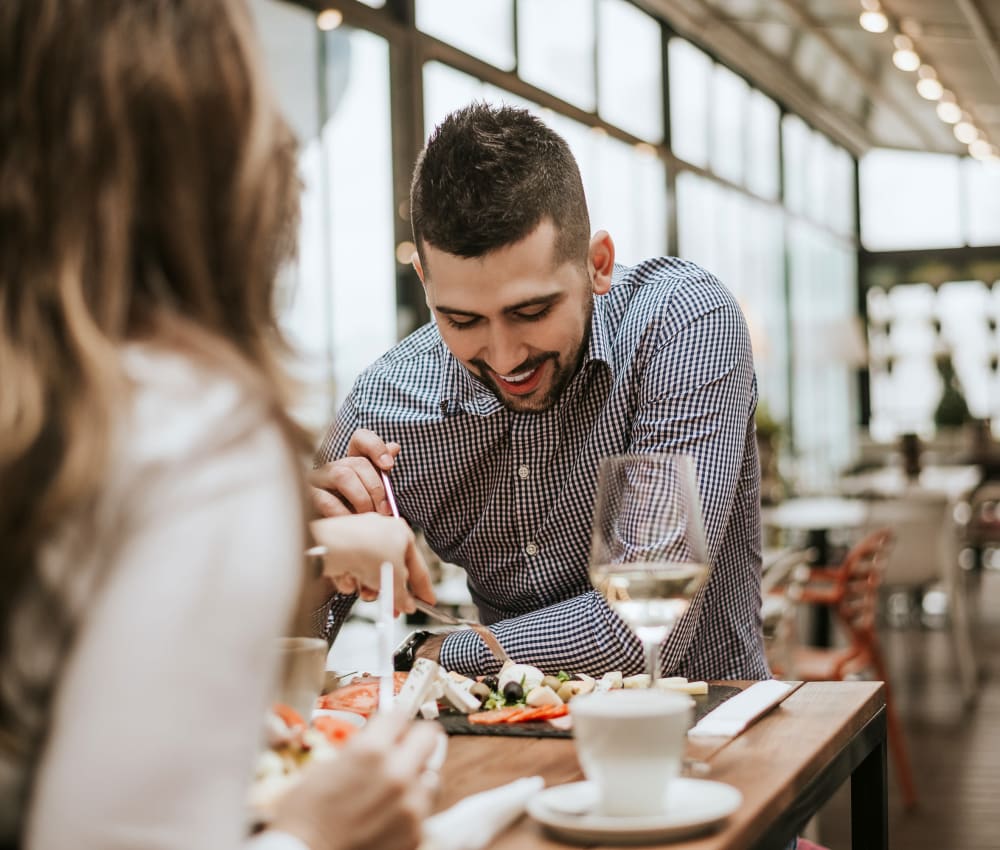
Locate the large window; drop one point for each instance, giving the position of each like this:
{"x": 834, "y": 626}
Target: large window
{"x": 338, "y": 301}
{"x": 625, "y": 184}
{"x": 778, "y": 232}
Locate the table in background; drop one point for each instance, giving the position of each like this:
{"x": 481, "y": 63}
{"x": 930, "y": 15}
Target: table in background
{"x": 817, "y": 516}
{"x": 787, "y": 766}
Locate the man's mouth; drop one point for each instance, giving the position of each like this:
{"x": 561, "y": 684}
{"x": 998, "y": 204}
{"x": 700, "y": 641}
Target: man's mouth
{"x": 523, "y": 382}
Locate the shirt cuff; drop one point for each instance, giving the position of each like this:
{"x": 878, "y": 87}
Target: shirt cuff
{"x": 273, "y": 839}
{"x": 464, "y": 652}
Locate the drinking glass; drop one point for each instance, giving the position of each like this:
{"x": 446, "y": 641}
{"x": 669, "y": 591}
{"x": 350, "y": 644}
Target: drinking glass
{"x": 648, "y": 555}
{"x": 302, "y": 672}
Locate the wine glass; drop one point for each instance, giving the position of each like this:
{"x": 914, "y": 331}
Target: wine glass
{"x": 648, "y": 555}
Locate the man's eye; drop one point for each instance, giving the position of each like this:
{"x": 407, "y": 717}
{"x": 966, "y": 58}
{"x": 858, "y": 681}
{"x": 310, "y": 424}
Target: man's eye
{"x": 460, "y": 323}
{"x": 534, "y": 315}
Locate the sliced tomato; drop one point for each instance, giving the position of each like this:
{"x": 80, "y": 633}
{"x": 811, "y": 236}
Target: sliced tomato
{"x": 361, "y": 696}
{"x": 288, "y": 714}
{"x": 497, "y": 715}
{"x": 335, "y": 730}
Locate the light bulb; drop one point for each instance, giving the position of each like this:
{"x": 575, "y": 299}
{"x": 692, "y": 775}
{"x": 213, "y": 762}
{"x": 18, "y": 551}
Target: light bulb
{"x": 874, "y": 21}
{"x": 929, "y": 88}
{"x": 906, "y": 60}
{"x": 981, "y": 149}
{"x": 947, "y": 110}
{"x": 965, "y": 132}
{"x": 329, "y": 19}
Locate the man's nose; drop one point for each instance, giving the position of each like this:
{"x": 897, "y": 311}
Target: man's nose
{"x": 505, "y": 352}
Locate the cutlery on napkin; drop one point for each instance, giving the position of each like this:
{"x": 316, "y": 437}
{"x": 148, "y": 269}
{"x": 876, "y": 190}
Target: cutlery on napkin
{"x": 738, "y": 712}
{"x": 474, "y": 822}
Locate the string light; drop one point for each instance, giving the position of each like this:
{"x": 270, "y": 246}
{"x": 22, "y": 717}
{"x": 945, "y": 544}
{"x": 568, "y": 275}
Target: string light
{"x": 904, "y": 56}
{"x": 929, "y": 86}
{"x": 965, "y": 131}
{"x": 329, "y": 19}
{"x": 872, "y": 17}
{"x": 947, "y": 109}
{"x": 981, "y": 149}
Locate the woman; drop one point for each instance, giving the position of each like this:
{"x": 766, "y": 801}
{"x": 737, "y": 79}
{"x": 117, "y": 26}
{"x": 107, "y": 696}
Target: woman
{"x": 151, "y": 519}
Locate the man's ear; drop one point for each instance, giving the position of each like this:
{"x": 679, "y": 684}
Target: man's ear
{"x": 419, "y": 269}
{"x": 601, "y": 261}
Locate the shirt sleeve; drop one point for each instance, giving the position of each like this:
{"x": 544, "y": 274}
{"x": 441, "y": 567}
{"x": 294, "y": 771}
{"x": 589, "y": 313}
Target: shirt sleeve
{"x": 158, "y": 712}
{"x": 328, "y": 619}
{"x": 697, "y": 397}
{"x": 579, "y": 635}
{"x": 338, "y": 435}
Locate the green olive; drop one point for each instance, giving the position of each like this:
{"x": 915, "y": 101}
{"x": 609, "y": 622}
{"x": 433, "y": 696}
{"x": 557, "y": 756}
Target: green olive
{"x": 552, "y": 682}
{"x": 566, "y": 691}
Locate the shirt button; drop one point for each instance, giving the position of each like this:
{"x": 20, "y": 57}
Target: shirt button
{"x": 523, "y": 471}
{"x": 531, "y": 549}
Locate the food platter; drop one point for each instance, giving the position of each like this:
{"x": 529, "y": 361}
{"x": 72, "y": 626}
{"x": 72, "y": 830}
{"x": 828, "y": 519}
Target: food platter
{"x": 459, "y": 724}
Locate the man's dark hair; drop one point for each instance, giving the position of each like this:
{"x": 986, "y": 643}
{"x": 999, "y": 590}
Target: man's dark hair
{"x": 488, "y": 177}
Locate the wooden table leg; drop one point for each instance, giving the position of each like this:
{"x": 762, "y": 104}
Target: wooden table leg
{"x": 869, "y": 802}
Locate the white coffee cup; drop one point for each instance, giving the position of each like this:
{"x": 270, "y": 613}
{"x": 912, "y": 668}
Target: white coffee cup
{"x": 630, "y": 744}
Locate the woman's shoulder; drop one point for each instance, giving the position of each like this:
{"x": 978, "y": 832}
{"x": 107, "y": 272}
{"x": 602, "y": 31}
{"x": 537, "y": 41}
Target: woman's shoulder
{"x": 179, "y": 404}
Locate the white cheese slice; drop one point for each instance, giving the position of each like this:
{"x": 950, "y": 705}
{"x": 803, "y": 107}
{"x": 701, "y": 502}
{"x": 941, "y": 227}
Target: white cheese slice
{"x": 542, "y": 695}
{"x": 525, "y": 675}
{"x": 683, "y": 687}
{"x": 640, "y": 680}
{"x": 610, "y": 681}
{"x": 458, "y": 695}
{"x": 429, "y": 710}
{"x": 417, "y": 688}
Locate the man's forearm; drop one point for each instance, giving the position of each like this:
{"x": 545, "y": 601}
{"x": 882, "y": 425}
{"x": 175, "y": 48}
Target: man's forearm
{"x": 580, "y": 635}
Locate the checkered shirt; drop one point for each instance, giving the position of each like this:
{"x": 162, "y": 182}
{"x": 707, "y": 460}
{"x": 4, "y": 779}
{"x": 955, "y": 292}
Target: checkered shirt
{"x": 509, "y": 496}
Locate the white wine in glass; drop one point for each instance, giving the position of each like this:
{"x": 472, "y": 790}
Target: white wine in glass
{"x": 648, "y": 554}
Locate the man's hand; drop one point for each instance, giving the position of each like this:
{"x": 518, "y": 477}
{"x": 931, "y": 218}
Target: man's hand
{"x": 352, "y": 484}
{"x": 358, "y": 545}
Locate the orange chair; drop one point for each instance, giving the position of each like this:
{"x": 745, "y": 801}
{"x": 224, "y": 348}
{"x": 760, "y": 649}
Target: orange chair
{"x": 851, "y": 591}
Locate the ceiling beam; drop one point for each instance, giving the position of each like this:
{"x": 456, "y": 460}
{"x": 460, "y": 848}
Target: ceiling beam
{"x": 704, "y": 23}
{"x": 985, "y": 38}
{"x": 861, "y": 76}
{"x": 746, "y": 55}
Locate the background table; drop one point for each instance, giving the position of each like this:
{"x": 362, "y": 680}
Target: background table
{"x": 786, "y": 766}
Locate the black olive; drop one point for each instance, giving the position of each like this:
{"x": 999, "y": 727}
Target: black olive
{"x": 513, "y": 692}
{"x": 491, "y": 682}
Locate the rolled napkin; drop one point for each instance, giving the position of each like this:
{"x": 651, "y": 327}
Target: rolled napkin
{"x": 474, "y": 822}
{"x": 738, "y": 712}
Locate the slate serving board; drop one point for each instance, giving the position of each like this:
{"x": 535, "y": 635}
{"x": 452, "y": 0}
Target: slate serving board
{"x": 458, "y": 724}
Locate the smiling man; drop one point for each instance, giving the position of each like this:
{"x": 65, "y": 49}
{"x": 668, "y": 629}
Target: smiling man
{"x": 544, "y": 357}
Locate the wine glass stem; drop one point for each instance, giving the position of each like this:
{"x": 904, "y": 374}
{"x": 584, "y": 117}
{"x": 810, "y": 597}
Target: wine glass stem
{"x": 652, "y": 651}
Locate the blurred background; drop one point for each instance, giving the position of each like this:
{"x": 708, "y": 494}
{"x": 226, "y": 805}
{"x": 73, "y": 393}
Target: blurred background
{"x": 835, "y": 163}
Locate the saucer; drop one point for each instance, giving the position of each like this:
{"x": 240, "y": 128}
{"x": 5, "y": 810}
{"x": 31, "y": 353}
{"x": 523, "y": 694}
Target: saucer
{"x": 694, "y": 806}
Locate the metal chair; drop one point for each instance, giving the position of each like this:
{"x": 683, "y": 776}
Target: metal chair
{"x": 851, "y": 592}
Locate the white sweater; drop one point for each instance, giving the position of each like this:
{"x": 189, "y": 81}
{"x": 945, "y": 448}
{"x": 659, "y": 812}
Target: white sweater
{"x": 179, "y": 587}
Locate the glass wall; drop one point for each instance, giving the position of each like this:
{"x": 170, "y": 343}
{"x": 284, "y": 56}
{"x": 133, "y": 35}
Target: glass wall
{"x": 338, "y": 301}
{"x": 929, "y": 329}
{"x": 778, "y": 231}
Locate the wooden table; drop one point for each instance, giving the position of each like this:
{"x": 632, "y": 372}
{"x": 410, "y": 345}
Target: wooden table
{"x": 787, "y": 766}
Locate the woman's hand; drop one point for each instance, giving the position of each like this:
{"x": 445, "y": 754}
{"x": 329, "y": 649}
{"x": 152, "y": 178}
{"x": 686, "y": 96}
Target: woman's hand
{"x": 376, "y": 793}
{"x": 358, "y": 544}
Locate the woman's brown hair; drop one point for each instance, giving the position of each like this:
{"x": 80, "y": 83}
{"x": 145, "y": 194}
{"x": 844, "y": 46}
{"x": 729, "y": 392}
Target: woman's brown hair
{"x": 148, "y": 190}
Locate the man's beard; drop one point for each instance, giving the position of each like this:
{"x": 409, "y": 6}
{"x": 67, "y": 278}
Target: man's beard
{"x": 562, "y": 374}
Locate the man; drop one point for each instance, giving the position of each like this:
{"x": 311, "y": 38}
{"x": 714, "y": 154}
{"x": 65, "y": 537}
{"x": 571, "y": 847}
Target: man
{"x": 543, "y": 358}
